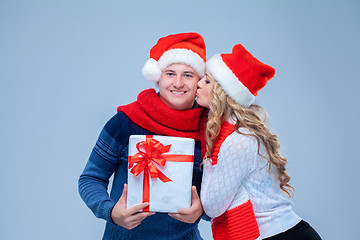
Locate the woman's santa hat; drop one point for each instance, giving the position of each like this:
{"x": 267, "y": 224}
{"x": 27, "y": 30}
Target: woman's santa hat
{"x": 187, "y": 48}
{"x": 240, "y": 74}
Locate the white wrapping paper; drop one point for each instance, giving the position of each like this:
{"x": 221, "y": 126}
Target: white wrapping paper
{"x": 168, "y": 196}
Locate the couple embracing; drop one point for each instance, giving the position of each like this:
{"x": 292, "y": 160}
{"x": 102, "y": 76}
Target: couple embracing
{"x": 239, "y": 177}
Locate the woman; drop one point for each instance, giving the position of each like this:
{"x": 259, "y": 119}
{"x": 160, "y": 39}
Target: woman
{"x": 176, "y": 64}
{"x": 245, "y": 187}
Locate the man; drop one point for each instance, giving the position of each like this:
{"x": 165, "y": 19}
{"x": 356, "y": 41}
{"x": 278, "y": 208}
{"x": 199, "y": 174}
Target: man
{"x": 176, "y": 64}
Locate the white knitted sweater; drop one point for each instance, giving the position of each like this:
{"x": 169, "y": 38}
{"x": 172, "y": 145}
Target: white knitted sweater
{"x": 240, "y": 174}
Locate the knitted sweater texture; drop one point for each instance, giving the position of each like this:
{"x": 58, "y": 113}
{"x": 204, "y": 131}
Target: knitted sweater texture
{"x": 240, "y": 177}
{"x": 110, "y": 157}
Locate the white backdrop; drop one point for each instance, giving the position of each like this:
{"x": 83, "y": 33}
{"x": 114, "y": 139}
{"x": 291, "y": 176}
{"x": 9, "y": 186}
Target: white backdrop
{"x": 66, "y": 65}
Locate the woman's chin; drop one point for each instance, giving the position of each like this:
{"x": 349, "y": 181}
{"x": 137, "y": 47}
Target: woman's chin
{"x": 202, "y": 104}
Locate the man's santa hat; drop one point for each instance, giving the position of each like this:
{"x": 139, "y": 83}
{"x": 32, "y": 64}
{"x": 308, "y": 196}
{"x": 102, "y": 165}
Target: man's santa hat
{"x": 187, "y": 48}
{"x": 240, "y": 74}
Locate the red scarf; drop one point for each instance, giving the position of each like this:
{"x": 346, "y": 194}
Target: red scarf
{"x": 151, "y": 113}
{"x": 226, "y": 129}
{"x": 203, "y": 121}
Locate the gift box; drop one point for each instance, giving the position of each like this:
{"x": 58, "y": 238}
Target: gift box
{"x": 160, "y": 172}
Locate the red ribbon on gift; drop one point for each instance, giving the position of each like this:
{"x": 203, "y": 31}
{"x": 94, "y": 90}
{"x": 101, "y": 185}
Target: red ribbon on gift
{"x": 153, "y": 153}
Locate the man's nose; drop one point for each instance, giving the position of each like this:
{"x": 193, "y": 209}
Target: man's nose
{"x": 179, "y": 82}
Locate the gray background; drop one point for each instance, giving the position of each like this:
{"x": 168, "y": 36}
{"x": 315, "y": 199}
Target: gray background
{"x": 66, "y": 65}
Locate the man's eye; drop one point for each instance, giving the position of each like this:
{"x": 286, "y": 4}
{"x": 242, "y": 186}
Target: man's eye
{"x": 188, "y": 75}
{"x": 207, "y": 81}
{"x": 170, "y": 74}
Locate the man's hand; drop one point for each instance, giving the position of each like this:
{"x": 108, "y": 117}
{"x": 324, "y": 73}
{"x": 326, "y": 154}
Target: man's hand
{"x": 191, "y": 214}
{"x": 128, "y": 218}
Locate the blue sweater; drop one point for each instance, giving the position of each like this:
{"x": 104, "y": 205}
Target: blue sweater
{"x": 110, "y": 156}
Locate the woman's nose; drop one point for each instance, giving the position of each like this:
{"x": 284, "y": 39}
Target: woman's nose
{"x": 200, "y": 83}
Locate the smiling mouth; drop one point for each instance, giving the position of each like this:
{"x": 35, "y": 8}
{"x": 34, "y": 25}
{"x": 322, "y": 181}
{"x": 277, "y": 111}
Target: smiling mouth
{"x": 178, "y": 92}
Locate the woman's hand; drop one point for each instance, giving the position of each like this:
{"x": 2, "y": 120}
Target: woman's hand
{"x": 191, "y": 214}
{"x": 128, "y": 217}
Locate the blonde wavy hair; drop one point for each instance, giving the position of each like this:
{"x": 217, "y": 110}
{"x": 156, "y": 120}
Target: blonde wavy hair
{"x": 221, "y": 107}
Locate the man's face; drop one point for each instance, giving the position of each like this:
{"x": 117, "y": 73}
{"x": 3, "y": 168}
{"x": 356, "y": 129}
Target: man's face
{"x": 177, "y": 86}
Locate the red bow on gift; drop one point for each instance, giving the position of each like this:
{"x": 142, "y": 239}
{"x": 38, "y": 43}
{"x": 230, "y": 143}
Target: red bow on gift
{"x": 153, "y": 153}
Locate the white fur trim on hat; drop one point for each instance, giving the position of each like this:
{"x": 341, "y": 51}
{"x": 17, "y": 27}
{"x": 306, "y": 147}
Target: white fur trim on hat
{"x": 186, "y": 56}
{"x": 151, "y": 70}
{"x": 232, "y": 86}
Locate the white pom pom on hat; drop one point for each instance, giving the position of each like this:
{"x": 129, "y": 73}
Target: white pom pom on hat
{"x": 151, "y": 70}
